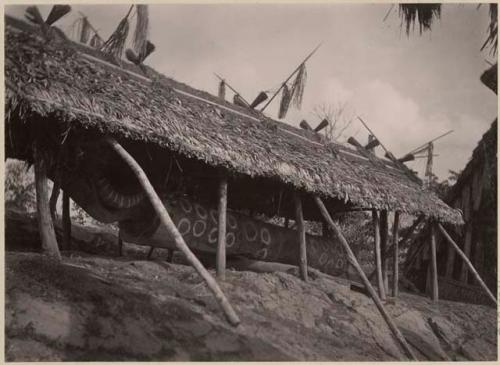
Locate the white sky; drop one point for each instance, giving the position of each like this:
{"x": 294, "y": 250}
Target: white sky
{"x": 408, "y": 90}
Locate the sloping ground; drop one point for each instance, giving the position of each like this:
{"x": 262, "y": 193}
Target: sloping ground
{"x": 100, "y": 307}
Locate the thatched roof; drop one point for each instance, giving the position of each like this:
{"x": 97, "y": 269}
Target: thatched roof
{"x": 489, "y": 78}
{"x": 76, "y": 83}
{"x": 484, "y": 153}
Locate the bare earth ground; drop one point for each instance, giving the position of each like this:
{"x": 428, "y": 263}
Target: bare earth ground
{"x": 102, "y": 307}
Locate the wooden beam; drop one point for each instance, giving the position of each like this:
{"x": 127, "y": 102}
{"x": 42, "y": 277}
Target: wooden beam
{"x": 221, "y": 240}
{"x": 301, "y": 232}
{"x": 467, "y": 250}
{"x": 180, "y": 244}
{"x": 378, "y": 258}
{"x": 120, "y": 245}
{"x": 406, "y": 240}
{"x": 395, "y": 257}
{"x": 467, "y": 261}
{"x": 433, "y": 263}
{"x": 384, "y": 240}
{"x": 45, "y": 224}
{"x": 66, "y": 221}
{"x": 354, "y": 262}
{"x": 353, "y": 141}
{"x": 372, "y": 143}
{"x": 170, "y": 255}
{"x": 54, "y": 195}
{"x": 150, "y": 252}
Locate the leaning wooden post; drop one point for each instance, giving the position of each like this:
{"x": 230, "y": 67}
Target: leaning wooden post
{"x": 378, "y": 260}
{"x": 464, "y": 257}
{"x": 221, "y": 241}
{"x": 301, "y": 231}
{"x": 66, "y": 220}
{"x": 384, "y": 240}
{"x": 45, "y": 224}
{"x": 434, "y": 272}
{"x": 354, "y": 262}
{"x": 395, "y": 258}
{"x": 174, "y": 233}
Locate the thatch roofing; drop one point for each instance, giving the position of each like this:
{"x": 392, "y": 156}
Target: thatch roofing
{"x": 76, "y": 84}
{"x": 484, "y": 153}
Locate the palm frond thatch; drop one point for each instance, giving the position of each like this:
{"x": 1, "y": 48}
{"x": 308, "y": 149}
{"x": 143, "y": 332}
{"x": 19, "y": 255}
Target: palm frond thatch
{"x": 84, "y": 30}
{"x": 222, "y": 89}
{"x": 33, "y": 15}
{"x": 56, "y": 13}
{"x": 286, "y": 97}
{"x": 423, "y": 14}
{"x": 298, "y": 86}
{"x": 492, "y": 39}
{"x": 141, "y": 29}
{"x": 116, "y": 42}
{"x": 167, "y": 114}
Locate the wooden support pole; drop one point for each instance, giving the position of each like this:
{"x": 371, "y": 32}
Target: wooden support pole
{"x": 180, "y": 244}
{"x": 378, "y": 259}
{"x": 170, "y": 255}
{"x": 354, "y": 262}
{"x": 45, "y": 224}
{"x": 150, "y": 252}
{"x": 54, "y": 195}
{"x": 467, "y": 261}
{"x": 120, "y": 245}
{"x": 66, "y": 221}
{"x": 221, "y": 240}
{"x": 395, "y": 257}
{"x": 301, "y": 231}
{"x": 433, "y": 263}
{"x": 384, "y": 240}
{"x": 406, "y": 240}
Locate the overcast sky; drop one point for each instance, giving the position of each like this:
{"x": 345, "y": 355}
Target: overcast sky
{"x": 408, "y": 90}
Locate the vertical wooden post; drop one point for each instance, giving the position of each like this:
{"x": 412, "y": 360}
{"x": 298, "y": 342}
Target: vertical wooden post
{"x": 433, "y": 263}
{"x": 170, "y": 255}
{"x": 287, "y": 222}
{"x": 221, "y": 241}
{"x": 120, "y": 245}
{"x": 45, "y": 224}
{"x": 150, "y": 252}
{"x": 66, "y": 221}
{"x": 467, "y": 250}
{"x": 354, "y": 262}
{"x": 301, "y": 231}
{"x": 378, "y": 259}
{"x": 166, "y": 220}
{"x": 467, "y": 261}
{"x": 395, "y": 260}
{"x": 384, "y": 238}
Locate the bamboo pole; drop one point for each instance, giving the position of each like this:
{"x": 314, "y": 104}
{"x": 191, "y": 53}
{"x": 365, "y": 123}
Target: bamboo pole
{"x": 170, "y": 255}
{"x": 150, "y": 252}
{"x": 464, "y": 257}
{"x": 45, "y": 224}
{"x": 221, "y": 240}
{"x": 180, "y": 244}
{"x": 434, "y": 272}
{"x": 384, "y": 240}
{"x": 395, "y": 258}
{"x": 289, "y": 77}
{"x": 354, "y": 262}
{"x": 120, "y": 245}
{"x": 66, "y": 220}
{"x": 301, "y": 231}
{"x": 378, "y": 259}
{"x": 406, "y": 240}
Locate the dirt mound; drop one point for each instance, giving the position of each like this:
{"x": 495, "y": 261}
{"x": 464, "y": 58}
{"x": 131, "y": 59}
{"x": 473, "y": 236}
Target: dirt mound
{"x": 107, "y": 308}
